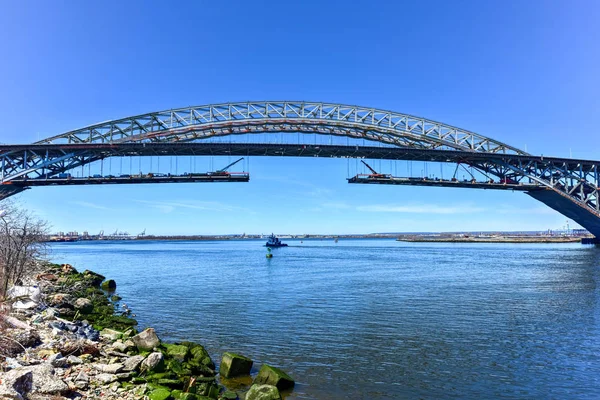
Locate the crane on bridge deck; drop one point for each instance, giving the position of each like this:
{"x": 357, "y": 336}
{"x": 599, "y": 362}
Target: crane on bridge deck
{"x": 223, "y": 171}
{"x": 375, "y": 174}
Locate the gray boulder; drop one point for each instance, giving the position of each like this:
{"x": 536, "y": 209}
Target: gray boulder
{"x": 154, "y": 362}
{"x": 16, "y": 384}
{"x": 45, "y": 381}
{"x": 132, "y": 363}
{"x": 263, "y": 392}
{"x": 83, "y": 305}
{"x": 146, "y": 340}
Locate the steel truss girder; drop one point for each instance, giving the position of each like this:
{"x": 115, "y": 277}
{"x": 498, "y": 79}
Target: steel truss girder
{"x": 580, "y": 184}
{"x": 180, "y": 124}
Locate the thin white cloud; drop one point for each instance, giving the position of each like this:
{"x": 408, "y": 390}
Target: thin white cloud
{"x": 336, "y": 205}
{"x": 163, "y": 208}
{"x": 170, "y": 206}
{"x": 420, "y": 209}
{"x": 543, "y": 210}
{"x": 90, "y": 205}
{"x": 312, "y": 189}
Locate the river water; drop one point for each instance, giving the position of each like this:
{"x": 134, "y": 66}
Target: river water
{"x": 374, "y": 319}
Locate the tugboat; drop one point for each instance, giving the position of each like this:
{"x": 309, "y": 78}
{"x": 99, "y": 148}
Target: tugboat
{"x": 275, "y": 242}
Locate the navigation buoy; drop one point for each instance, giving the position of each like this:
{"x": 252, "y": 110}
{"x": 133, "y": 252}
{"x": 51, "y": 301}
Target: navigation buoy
{"x": 269, "y": 254}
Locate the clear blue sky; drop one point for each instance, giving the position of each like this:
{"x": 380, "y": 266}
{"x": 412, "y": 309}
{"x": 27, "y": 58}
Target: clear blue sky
{"x": 523, "y": 72}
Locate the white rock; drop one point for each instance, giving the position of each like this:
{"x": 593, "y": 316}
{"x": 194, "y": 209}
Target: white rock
{"x": 132, "y": 363}
{"x": 105, "y": 378}
{"x": 109, "y": 368}
{"x": 82, "y": 377}
{"x": 57, "y": 360}
{"x": 152, "y": 361}
{"x": 74, "y": 360}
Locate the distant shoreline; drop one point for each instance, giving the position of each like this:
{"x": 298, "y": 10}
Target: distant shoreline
{"x": 415, "y": 238}
{"x": 500, "y": 239}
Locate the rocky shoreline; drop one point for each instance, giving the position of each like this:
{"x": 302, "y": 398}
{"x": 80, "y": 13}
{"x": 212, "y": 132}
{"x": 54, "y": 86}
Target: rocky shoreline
{"x": 75, "y": 340}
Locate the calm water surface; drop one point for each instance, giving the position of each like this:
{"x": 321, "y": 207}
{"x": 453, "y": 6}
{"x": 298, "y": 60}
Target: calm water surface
{"x": 375, "y": 319}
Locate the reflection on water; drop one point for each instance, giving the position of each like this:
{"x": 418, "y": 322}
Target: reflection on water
{"x": 375, "y": 319}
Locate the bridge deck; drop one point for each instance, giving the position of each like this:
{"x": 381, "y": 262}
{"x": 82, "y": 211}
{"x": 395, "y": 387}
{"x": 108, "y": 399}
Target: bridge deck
{"x": 284, "y": 149}
{"x": 206, "y": 177}
{"x": 10, "y": 188}
{"x": 392, "y": 180}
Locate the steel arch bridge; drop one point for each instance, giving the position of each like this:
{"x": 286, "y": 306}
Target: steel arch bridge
{"x": 566, "y": 185}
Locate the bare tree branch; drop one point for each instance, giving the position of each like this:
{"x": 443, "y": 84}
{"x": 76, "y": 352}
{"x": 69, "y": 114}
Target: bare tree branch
{"x": 22, "y": 243}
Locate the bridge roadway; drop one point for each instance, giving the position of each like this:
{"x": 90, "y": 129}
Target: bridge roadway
{"x": 129, "y": 179}
{"x": 385, "y": 152}
{"x": 469, "y": 184}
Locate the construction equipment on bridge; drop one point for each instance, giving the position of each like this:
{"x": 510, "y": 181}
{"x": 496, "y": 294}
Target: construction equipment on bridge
{"x": 425, "y": 181}
{"x": 223, "y": 171}
{"x": 17, "y": 185}
{"x": 374, "y": 174}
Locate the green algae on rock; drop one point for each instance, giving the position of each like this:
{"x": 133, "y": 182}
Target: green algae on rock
{"x": 109, "y": 284}
{"x": 233, "y": 365}
{"x": 263, "y": 392}
{"x": 274, "y": 376}
{"x": 159, "y": 394}
{"x": 179, "y": 352}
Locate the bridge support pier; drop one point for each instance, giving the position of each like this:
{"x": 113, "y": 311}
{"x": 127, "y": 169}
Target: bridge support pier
{"x": 593, "y": 240}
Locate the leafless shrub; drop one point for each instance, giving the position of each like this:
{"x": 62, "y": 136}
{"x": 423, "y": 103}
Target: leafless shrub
{"x": 22, "y": 243}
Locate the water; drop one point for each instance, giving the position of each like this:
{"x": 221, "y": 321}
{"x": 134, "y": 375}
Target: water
{"x": 375, "y": 319}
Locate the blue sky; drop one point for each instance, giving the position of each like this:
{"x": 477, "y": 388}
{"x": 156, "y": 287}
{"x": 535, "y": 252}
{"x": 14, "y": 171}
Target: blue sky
{"x": 525, "y": 73}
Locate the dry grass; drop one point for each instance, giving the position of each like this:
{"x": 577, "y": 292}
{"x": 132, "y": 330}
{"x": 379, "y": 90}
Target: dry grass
{"x": 78, "y": 348}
